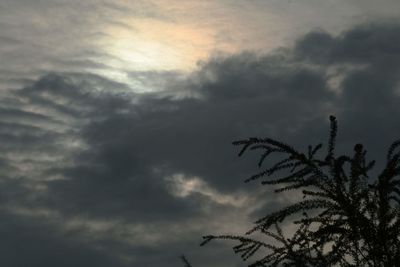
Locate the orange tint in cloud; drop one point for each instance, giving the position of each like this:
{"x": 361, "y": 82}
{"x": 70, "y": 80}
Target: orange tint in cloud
{"x": 116, "y": 37}
{"x": 184, "y": 33}
{"x": 157, "y": 45}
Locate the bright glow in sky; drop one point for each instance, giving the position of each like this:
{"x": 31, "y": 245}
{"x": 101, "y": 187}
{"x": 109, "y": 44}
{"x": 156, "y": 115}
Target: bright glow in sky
{"x": 116, "y": 38}
{"x": 161, "y": 46}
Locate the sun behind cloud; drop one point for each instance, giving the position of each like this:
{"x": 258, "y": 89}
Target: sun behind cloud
{"x": 157, "y": 45}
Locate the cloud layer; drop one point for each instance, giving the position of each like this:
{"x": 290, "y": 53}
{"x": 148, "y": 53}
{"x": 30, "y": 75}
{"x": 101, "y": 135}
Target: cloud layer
{"x": 100, "y": 176}
{"x": 116, "y": 38}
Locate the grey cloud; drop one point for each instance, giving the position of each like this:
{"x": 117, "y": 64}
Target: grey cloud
{"x": 131, "y": 142}
{"x": 28, "y": 241}
{"x": 37, "y": 37}
{"x": 76, "y": 95}
{"x": 126, "y": 184}
{"x": 366, "y": 44}
{"x": 167, "y": 82}
{"x": 39, "y": 125}
{"x": 277, "y": 95}
{"x": 372, "y": 47}
{"x": 131, "y": 153}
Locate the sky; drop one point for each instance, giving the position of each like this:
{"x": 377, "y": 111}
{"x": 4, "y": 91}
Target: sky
{"x": 117, "y": 118}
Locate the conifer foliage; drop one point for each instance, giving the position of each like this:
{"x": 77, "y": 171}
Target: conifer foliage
{"x": 343, "y": 217}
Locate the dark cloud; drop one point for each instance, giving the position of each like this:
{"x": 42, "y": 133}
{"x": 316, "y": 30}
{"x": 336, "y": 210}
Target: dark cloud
{"x": 376, "y": 44}
{"x": 131, "y": 153}
{"x": 29, "y": 241}
{"x": 368, "y": 103}
{"x": 117, "y": 151}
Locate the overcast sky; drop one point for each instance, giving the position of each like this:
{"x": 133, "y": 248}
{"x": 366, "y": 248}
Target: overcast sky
{"x": 117, "y": 117}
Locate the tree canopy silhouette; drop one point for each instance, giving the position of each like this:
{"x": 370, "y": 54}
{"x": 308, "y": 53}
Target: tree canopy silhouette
{"x": 343, "y": 217}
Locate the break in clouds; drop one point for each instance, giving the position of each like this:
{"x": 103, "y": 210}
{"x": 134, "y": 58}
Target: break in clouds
{"x": 95, "y": 175}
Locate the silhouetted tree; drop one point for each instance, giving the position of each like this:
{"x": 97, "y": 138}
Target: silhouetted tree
{"x": 344, "y": 217}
